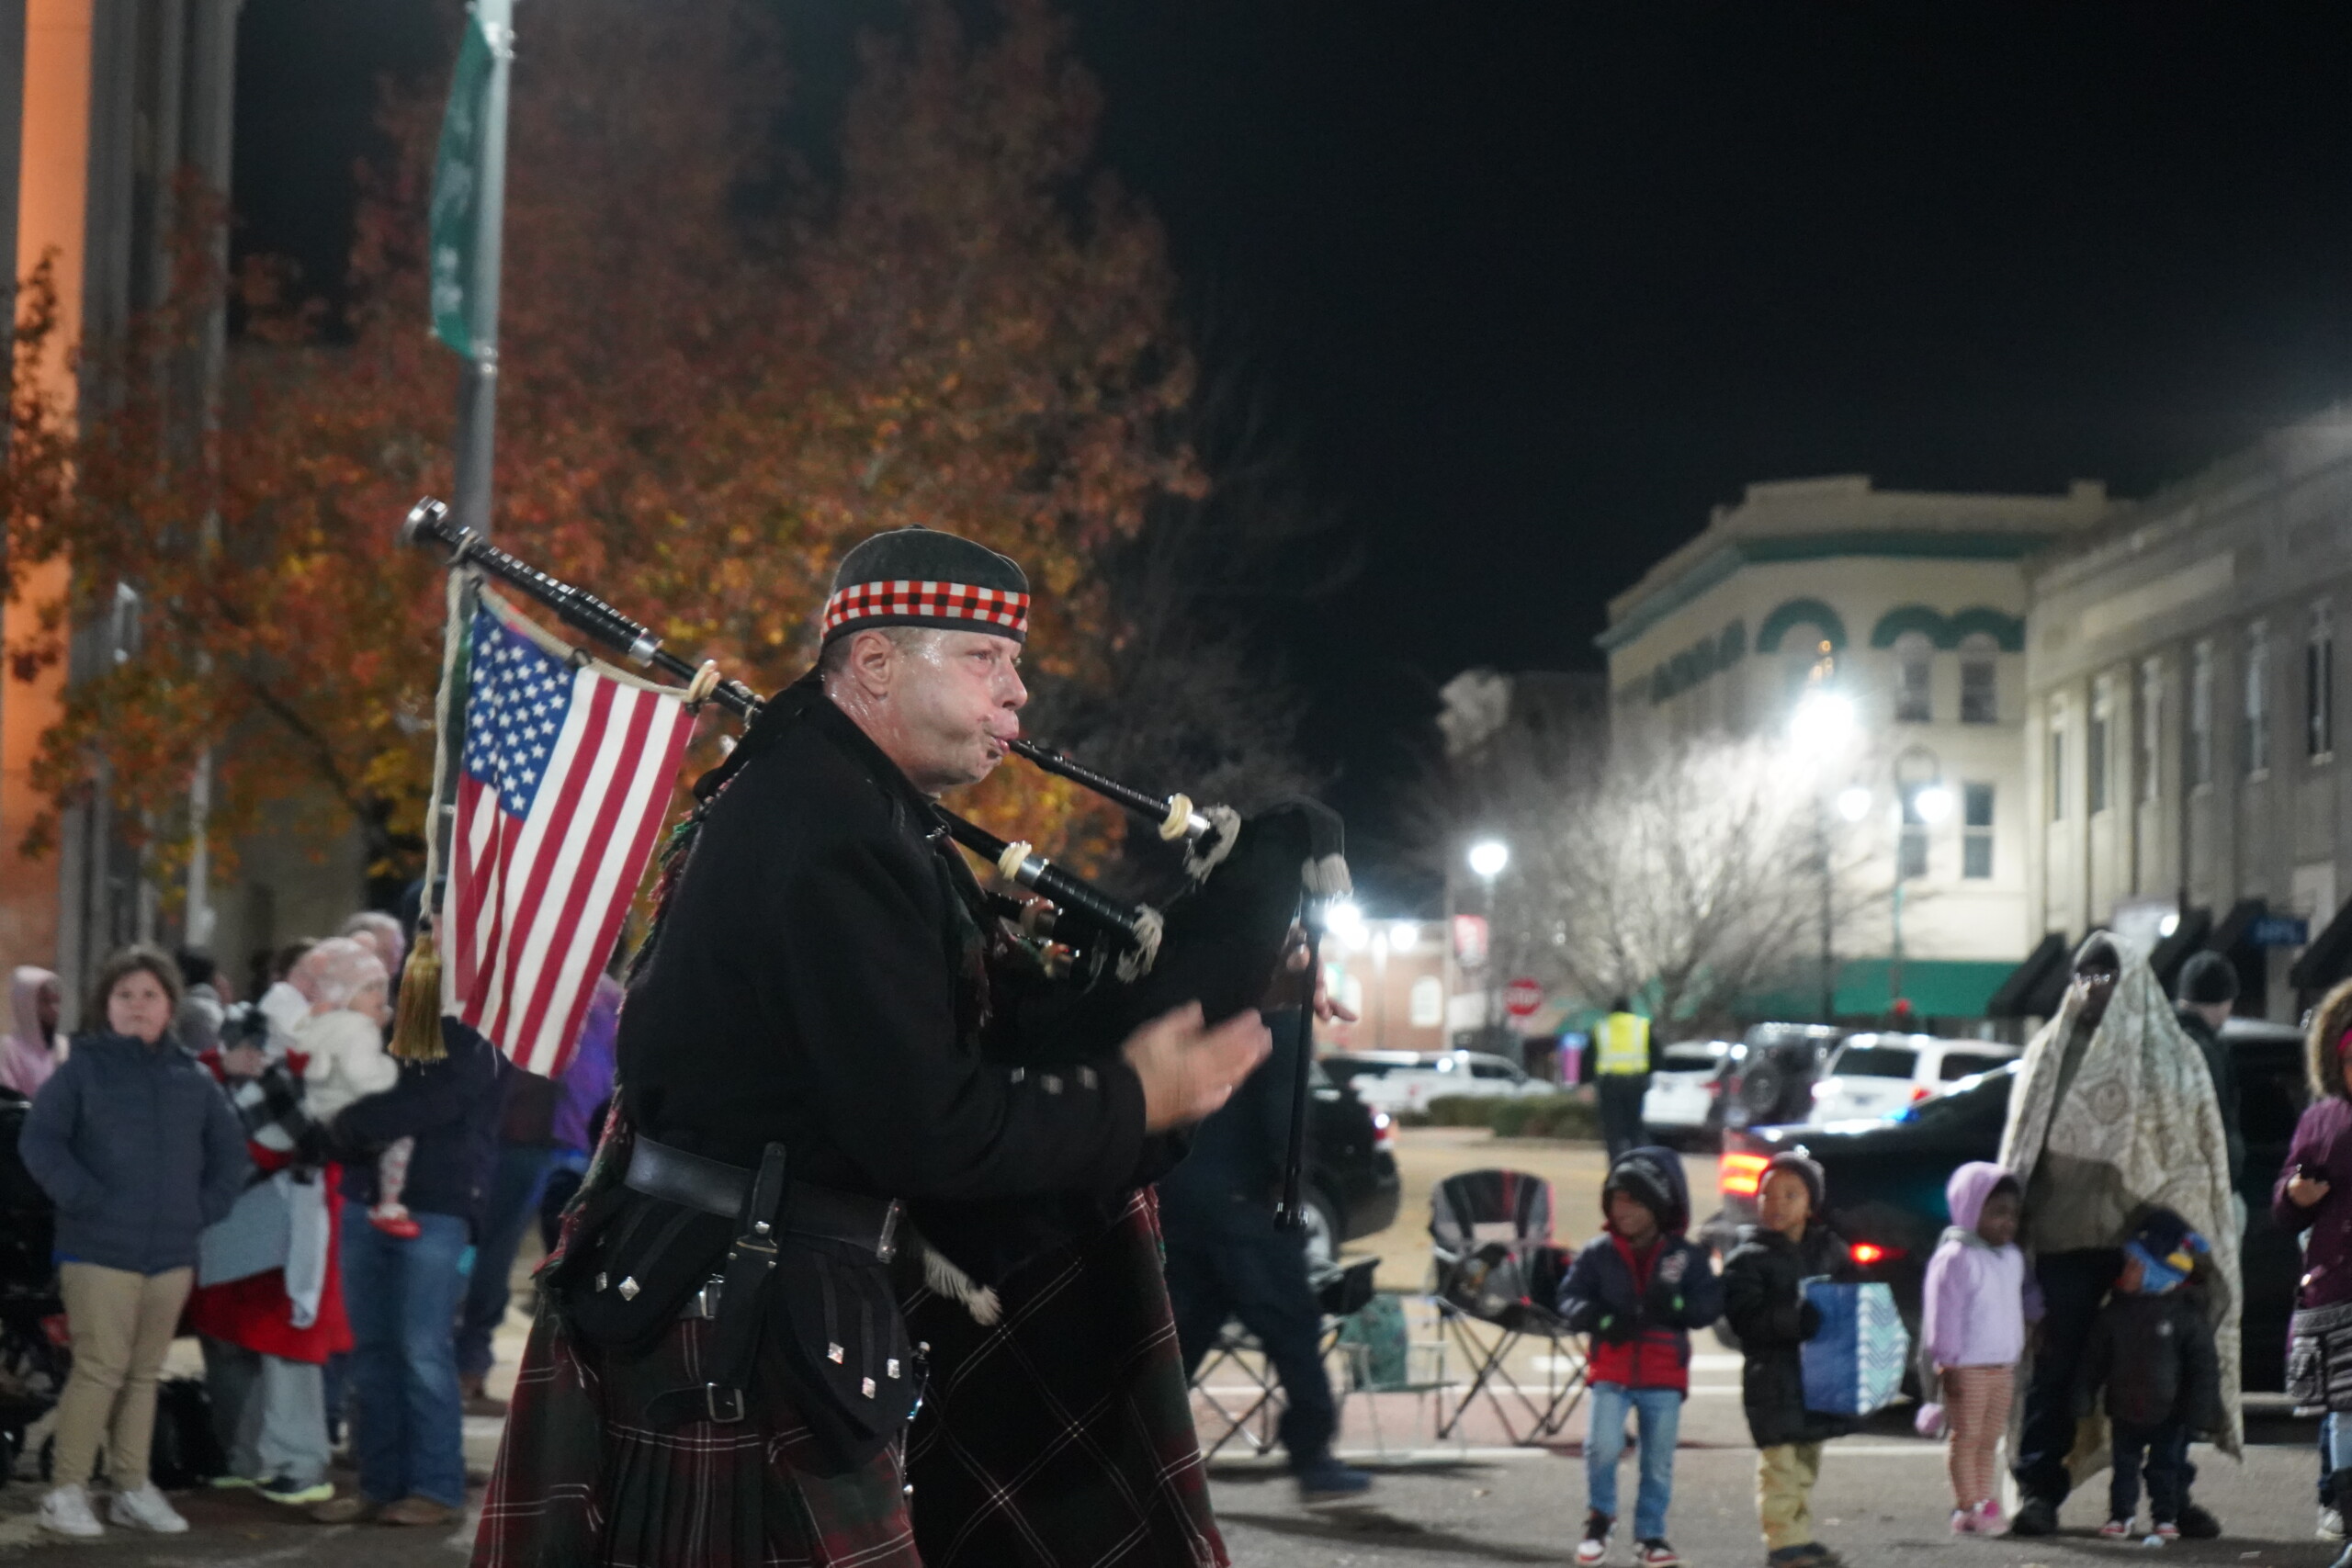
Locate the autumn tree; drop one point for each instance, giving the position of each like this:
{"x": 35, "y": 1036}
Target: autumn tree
{"x": 716, "y": 372}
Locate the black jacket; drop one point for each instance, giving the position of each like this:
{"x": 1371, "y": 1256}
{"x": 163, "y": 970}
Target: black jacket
{"x": 1764, "y": 1305}
{"x": 819, "y": 981}
{"x": 2225, "y": 1089}
{"x": 2154, "y": 1356}
{"x": 450, "y": 1107}
{"x": 138, "y": 1148}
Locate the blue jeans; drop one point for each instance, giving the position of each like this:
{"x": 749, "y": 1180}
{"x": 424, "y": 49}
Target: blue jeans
{"x": 1659, "y": 1411}
{"x": 403, "y": 1297}
{"x": 513, "y": 1203}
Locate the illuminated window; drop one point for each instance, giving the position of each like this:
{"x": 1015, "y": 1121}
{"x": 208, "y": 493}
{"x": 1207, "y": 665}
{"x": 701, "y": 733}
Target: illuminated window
{"x": 1976, "y": 830}
{"x": 1914, "y": 669}
{"x": 1980, "y": 680}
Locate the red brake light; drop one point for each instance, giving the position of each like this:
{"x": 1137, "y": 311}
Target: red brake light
{"x": 1741, "y": 1175}
{"x": 1866, "y": 1253}
{"x": 1384, "y": 1131}
{"x": 1920, "y": 1091}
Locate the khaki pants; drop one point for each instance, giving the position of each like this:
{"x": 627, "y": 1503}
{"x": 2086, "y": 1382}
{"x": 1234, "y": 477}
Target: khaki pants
{"x": 122, "y": 1324}
{"x": 1784, "y": 1478}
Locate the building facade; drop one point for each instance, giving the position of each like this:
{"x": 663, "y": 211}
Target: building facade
{"x": 2182, "y": 725}
{"x": 1910, "y": 608}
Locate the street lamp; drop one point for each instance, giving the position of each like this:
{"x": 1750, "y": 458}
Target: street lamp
{"x": 1819, "y": 728}
{"x": 1488, "y": 858}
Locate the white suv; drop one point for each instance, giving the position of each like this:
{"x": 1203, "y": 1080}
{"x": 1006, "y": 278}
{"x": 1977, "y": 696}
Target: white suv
{"x": 1878, "y": 1074}
{"x": 1410, "y": 1085}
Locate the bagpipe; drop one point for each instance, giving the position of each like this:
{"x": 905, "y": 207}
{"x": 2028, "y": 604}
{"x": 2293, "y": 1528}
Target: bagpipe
{"x": 1251, "y": 890}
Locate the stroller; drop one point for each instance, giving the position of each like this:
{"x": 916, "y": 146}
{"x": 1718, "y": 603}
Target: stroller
{"x": 34, "y": 1358}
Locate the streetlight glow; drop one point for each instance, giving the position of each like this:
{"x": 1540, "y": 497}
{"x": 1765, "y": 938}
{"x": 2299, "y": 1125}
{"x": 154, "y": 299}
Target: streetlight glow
{"x": 1488, "y": 858}
{"x": 1933, "y": 804}
{"x": 1404, "y": 936}
{"x": 1344, "y": 919}
{"x": 1823, "y": 721}
{"x": 1853, "y": 802}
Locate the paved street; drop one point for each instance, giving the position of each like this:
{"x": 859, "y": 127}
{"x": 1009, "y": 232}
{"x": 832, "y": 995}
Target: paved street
{"x": 1472, "y": 1500}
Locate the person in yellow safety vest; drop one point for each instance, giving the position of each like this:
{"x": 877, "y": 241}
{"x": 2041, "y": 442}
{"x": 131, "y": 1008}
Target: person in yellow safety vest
{"x": 1621, "y": 1071}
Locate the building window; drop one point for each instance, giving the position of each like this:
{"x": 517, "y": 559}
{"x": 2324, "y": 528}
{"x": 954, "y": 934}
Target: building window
{"x": 2253, "y": 751}
{"x": 2094, "y": 744}
{"x": 2151, "y": 727}
{"x": 2319, "y": 685}
{"x": 1911, "y": 848}
{"x": 1980, "y": 680}
{"x": 2199, "y": 757}
{"x": 1914, "y": 669}
{"x": 2056, "y": 772}
{"x": 1976, "y": 830}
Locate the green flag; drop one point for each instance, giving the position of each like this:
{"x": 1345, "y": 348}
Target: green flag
{"x": 457, "y": 192}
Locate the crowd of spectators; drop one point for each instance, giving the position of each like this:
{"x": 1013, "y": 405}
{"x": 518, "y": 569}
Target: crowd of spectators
{"x": 336, "y": 1226}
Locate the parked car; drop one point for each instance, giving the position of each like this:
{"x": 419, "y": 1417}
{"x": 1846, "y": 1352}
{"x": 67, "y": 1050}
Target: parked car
{"x": 1886, "y": 1180}
{"x": 1352, "y": 1188}
{"x": 1772, "y": 1072}
{"x": 1877, "y": 1074}
{"x": 1685, "y": 1078}
{"x": 1383, "y": 1081}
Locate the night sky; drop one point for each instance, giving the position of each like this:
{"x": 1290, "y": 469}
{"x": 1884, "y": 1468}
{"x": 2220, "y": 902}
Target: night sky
{"x": 1534, "y": 285}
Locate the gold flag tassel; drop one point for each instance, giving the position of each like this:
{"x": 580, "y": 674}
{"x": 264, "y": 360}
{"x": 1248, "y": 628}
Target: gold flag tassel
{"x": 416, "y": 1028}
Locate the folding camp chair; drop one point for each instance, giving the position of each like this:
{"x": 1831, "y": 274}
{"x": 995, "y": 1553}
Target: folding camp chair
{"x": 1339, "y": 1291}
{"x": 1496, "y": 1277}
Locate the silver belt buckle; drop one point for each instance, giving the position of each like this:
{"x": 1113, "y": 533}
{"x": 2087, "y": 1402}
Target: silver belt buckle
{"x": 706, "y": 1299}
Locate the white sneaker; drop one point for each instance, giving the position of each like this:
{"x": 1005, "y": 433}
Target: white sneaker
{"x": 146, "y": 1509}
{"x": 2331, "y": 1525}
{"x": 66, "y": 1511}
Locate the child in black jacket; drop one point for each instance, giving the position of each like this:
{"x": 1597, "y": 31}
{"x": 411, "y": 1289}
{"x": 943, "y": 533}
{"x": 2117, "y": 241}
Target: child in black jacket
{"x": 2151, "y": 1351}
{"x": 1764, "y": 1303}
{"x": 1638, "y": 1289}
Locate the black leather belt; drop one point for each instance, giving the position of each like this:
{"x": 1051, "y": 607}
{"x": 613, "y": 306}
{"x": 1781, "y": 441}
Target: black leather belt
{"x": 660, "y": 1171}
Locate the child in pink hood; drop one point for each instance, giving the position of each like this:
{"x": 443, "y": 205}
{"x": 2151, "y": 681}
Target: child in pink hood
{"x": 33, "y": 1050}
{"x": 1978, "y": 1299}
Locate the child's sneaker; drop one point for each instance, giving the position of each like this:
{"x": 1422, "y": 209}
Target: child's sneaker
{"x": 393, "y": 1221}
{"x": 1989, "y": 1518}
{"x": 146, "y": 1509}
{"x": 1963, "y": 1521}
{"x": 1655, "y": 1554}
{"x": 1595, "y": 1545}
{"x": 66, "y": 1511}
{"x": 2167, "y": 1530}
{"x": 2116, "y": 1529}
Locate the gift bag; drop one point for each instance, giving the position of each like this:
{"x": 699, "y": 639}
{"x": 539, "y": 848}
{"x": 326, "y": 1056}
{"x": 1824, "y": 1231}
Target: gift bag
{"x": 1854, "y": 1365}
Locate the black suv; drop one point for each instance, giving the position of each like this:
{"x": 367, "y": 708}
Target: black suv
{"x": 1886, "y": 1182}
{"x": 1353, "y": 1189}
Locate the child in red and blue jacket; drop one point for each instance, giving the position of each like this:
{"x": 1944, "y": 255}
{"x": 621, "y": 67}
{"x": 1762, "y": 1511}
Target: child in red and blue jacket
{"x": 1638, "y": 1289}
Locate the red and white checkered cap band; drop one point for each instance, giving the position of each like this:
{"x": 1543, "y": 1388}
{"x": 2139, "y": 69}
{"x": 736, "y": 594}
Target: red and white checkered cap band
{"x": 986, "y": 608}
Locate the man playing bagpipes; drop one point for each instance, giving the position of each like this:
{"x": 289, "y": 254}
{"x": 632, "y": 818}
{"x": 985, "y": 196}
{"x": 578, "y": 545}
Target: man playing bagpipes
{"x": 720, "y": 1372}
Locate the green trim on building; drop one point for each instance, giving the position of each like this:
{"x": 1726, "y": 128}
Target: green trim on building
{"x": 1799, "y": 613}
{"x": 1906, "y": 619}
{"x": 1948, "y": 632}
{"x": 1725, "y": 563}
{"x": 2007, "y": 631}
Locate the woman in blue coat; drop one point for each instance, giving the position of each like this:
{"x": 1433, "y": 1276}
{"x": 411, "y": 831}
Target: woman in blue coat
{"x": 140, "y": 1151}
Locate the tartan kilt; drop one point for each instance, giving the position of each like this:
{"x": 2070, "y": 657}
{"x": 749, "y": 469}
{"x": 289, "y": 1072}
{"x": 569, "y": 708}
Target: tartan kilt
{"x": 1062, "y": 1436}
{"x": 579, "y": 1480}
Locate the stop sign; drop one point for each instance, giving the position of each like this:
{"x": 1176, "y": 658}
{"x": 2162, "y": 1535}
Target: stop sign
{"x": 1523, "y": 997}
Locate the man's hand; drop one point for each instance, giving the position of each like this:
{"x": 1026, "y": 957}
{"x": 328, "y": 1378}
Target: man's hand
{"x": 2304, "y": 1191}
{"x": 1328, "y": 1008}
{"x": 1189, "y": 1070}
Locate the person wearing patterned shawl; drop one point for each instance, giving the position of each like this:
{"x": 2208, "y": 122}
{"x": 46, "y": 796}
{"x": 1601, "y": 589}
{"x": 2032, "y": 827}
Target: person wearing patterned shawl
{"x": 2113, "y": 1115}
{"x": 720, "y": 1372}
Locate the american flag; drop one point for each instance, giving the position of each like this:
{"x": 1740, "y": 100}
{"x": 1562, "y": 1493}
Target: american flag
{"x": 567, "y": 772}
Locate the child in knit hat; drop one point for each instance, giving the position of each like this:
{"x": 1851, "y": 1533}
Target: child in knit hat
{"x": 2152, "y": 1352}
{"x": 1638, "y": 1289}
{"x": 1764, "y": 1303}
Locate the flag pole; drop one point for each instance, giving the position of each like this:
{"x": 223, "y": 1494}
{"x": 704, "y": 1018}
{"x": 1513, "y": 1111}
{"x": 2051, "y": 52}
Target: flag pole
{"x": 468, "y": 231}
{"x": 478, "y": 392}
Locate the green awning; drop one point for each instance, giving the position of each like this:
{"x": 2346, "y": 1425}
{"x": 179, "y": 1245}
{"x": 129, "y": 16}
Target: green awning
{"x": 1936, "y": 988}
